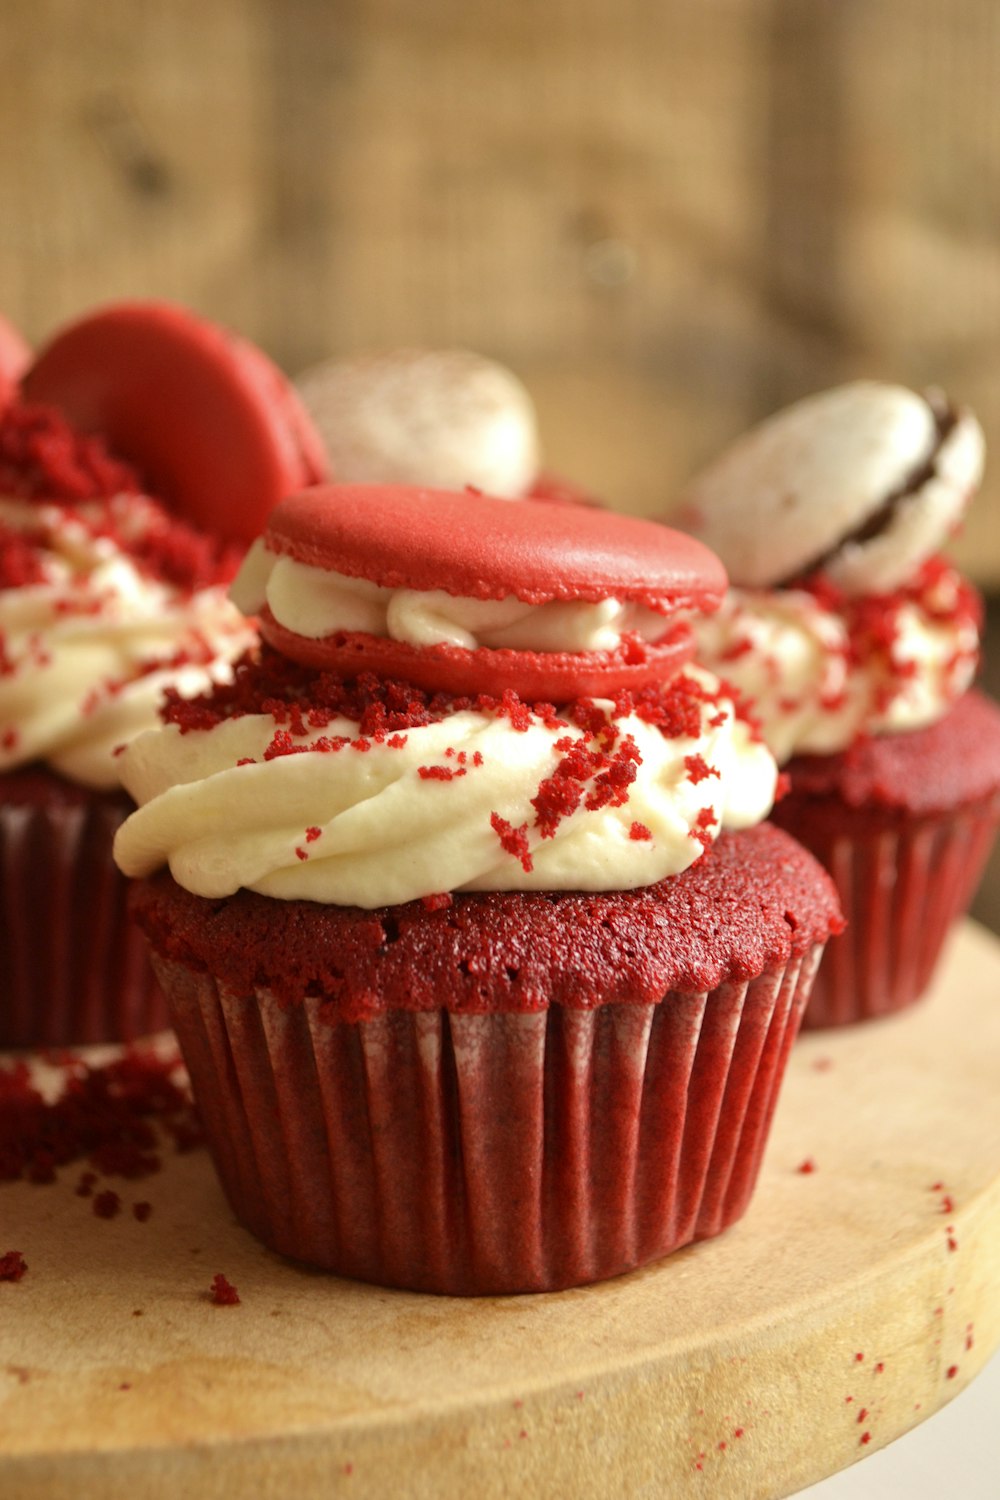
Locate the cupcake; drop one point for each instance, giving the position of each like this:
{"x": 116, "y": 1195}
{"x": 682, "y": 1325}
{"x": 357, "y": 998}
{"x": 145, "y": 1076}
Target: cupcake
{"x": 443, "y": 418}
{"x": 483, "y": 971}
{"x": 857, "y": 644}
{"x": 107, "y": 598}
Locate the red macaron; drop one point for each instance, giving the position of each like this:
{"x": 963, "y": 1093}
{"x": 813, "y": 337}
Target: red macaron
{"x": 15, "y": 357}
{"x": 212, "y": 425}
{"x": 474, "y": 546}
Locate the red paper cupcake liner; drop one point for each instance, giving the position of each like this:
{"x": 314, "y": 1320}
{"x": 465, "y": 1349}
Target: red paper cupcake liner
{"x": 902, "y": 884}
{"x": 495, "y": 1153}
{"x": 74, "y": 968}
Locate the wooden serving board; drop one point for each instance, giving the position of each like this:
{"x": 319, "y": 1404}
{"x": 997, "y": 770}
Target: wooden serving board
{"x": 851, "y": 1302}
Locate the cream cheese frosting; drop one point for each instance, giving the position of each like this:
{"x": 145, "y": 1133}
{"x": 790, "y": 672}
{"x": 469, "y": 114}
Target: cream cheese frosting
{"x": 89, "y": 644}
{"x": 475, "y": 800}
{"x": 820, "y": 672}
{"x": 316, "y": 602}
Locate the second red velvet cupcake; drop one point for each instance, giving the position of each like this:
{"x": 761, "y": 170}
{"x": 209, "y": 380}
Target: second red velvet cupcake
{"x": 856, "y": 645}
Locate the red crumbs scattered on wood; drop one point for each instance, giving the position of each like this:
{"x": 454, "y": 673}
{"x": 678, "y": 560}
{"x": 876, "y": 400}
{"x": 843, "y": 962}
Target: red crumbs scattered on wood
{"x": 12, "y": 1265}
{"x": 224, "y": 1294}
{"x": 862, "y": 1414}
{"x": 951, "y": 1372}
{"x": 806, "y": 1167}
{"x": 859, "y": 1358}
{"x": 738, "y": 1432}
{"x": 116, "y": 1118}
{"x": 880, "y": 1367}
{"x": 866, "y": 1437}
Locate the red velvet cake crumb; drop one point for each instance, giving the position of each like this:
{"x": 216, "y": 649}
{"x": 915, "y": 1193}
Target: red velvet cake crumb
{"x": 107, "y": 1205}
{"x": 43, "y": 458}
{"x": 142, "y": 1211}
{"x": 12, "y": 1265}
{"x": 114, "y": 1117}
{"x": 223, "y": 1293}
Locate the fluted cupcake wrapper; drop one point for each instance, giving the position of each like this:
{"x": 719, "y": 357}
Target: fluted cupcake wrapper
{"x": 495, "y": 1153}
{"x": 74, "y": 968}
{"x": 901, "y": 887}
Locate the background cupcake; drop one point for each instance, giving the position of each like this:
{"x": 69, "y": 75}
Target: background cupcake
{"x": 107, "y": 597}
{"x": 475, "y": 993}
{"x": 857, "y": 644}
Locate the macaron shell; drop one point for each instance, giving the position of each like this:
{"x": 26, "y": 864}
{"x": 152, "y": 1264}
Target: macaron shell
{"x": 787, "y": 492}
{"x": 444, "y": 418}
{"x": 536, "y": 677}
{"x": 213, "y": 426}
{"x": 920, "y": 523}
{"x": 477, "y": 547}
{"x": 15, "y": 357}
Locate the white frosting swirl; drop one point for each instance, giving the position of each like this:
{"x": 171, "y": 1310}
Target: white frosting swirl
{"x": 315, "y": 602}
{"x": 416, "y": 814}
{"x": 810, "y": 688}
{"x": 88, "y": 651}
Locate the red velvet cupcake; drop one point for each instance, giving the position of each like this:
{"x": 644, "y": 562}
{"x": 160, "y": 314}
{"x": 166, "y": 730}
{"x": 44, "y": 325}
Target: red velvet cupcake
{"x": 107, "y": 598}
{"x": 473, "y": 995}
{"x": 856, "y": 645}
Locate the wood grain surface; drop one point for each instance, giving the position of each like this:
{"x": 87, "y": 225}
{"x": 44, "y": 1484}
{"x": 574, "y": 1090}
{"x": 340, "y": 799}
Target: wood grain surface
{"x": 833, "y": 1318}
{"x": 668, "y": 218}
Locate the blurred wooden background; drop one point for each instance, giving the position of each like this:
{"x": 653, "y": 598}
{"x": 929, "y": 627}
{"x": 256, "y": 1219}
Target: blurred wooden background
{"x": 669, "y": 217}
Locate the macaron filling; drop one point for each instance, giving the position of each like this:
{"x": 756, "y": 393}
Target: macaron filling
{"x": 318, "y": 602}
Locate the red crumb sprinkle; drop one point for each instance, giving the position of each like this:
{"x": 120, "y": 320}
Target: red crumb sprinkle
{"x": 951, "y": 1372}
{"x": 85, "y": 1187}
{"x": 806, "y": 1167}
{"x": 224, "y": 1294}
{"x": 437, "y": 902}
{"x": 301, "y": 853}
{"x": 848, "y": 1399}
{"x": 859, "y": 1358}
{"x": 969, "y": 1340}
{"x": 513, "y": 841}
{"x": 952, "y": 1242}
{"x": 312, "y": 834}
{"x": 639, "y": 832}
{"x": 439, "y": 773}
{"x": 705, "y": 820}
{"x": 698, "y": 768}
{"x": 862, "y": 1414}
{"x": 866, "y": 1438}
{"x": 822, "y": 1064}
{"x": 107, "y": 1205}
{"x": 738, "y": 1432}
{"x": 723, "y": 1446}
{"x": 936, "y": 1187}
{"x": 12, "y": 1265}
{"x": 880, "y": 1367}
{"x": 142, "y": 1211}
{"x": 947, "y": 1204}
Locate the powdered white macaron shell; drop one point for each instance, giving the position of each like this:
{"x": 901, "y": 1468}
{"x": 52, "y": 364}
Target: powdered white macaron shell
{"x": 797, "y": 489}
{"x": 438, "y": 418}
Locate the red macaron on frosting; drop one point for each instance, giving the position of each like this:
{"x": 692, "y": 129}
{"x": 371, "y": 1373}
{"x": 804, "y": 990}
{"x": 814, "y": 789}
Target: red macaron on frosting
{"x": 352, "y": 766}
{"x": 464, "y": 592}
